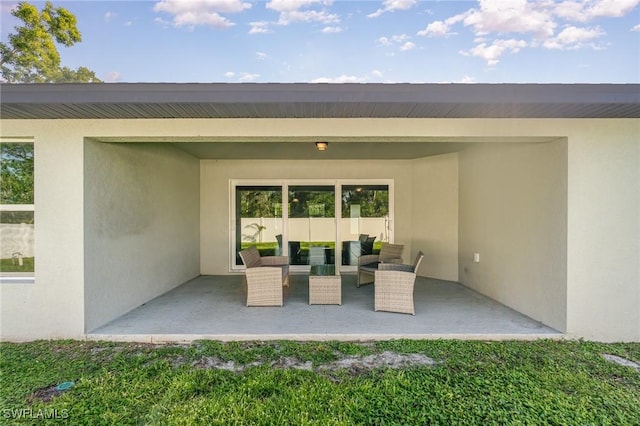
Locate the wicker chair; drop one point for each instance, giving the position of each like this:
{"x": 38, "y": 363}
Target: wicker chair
{"x": 265, "y": 276}
{"x": 368, "y": 264}
{"x": 394, "y": 284}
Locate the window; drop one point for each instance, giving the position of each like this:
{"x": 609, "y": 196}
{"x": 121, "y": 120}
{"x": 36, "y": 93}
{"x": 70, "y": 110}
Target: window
{"x": 312, "y": 225}
{"x": 17, "y": 257}
{"x": 365, "y": 209}
{"x": 258, "y": 220}
{"x": 312, "y": 222}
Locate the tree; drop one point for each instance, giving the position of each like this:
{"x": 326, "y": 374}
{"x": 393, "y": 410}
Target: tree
{"x": 16, "y": 180}
{"x": 260, "y": 202}
{"x": 16, "y": 173}
{"x": 31, "y": 56}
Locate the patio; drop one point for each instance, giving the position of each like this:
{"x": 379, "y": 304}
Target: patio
{"x": 213, "y": 307}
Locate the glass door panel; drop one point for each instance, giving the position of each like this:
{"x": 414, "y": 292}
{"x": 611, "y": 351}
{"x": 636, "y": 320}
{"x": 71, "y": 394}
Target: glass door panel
{"x": 258, "y": 220}
{"x": 312, "y": 226}
{"x": 365, "y": 221}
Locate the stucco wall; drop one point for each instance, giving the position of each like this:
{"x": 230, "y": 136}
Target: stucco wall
{"x": 434, "y": 216}
{"x": 429, "y": 184}
{"x": 603, "y": 207}
{"x": 604, "y": 232}
{"x": 142, "y": 216}
{"x": 53, "y": 306}
{"x": 513, "y": 213}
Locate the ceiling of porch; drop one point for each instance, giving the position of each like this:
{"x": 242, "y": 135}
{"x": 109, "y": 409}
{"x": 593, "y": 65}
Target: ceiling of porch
{"x": 344, "y": 148}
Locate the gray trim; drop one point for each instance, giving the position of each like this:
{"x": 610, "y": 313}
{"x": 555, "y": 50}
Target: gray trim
{"x": 303, "y": 100}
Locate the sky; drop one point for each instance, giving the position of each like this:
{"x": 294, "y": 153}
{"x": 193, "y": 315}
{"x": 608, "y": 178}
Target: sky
{"x": 322, "y": 41}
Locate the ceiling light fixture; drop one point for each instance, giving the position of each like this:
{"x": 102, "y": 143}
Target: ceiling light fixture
{"x": 322, "y": 146}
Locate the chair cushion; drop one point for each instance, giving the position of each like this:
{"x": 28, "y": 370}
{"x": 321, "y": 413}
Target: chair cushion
{"x": 396, "y": 267}
{"x": 370, "y": 267}
{"x": 367, "y": 246}
{"x": 391, "y": 252}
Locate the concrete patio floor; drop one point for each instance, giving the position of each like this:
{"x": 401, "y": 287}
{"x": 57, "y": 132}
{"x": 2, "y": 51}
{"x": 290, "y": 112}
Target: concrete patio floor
{"x": 213, "y": 307}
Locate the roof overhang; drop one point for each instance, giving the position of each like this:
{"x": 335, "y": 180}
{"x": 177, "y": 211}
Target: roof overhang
{"x": 304, "y": 100}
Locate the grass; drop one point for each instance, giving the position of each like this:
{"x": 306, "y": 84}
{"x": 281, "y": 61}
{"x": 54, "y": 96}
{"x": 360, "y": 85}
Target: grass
{"x": 472, "y": 382}
{"x": 11, "y": 265}
{"x": 271, "y": 248}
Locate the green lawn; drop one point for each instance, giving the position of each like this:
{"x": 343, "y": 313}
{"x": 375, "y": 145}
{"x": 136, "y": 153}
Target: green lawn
{"x": 522, "y": 383}
{"x": 11, "y": 265}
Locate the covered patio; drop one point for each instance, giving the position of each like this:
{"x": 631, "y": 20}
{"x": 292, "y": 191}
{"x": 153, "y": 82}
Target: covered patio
{"x": 523, "y": 199}
{"x": 212, "y": 307}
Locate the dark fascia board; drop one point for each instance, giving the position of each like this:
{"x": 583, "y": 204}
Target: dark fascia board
{"x": 318, "y": 92}
{"x": 111, "y": 94}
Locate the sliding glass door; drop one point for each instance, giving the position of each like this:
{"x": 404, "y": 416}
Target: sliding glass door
{"x": 365, "y": 222}
{"x": 312, "y": 222}
{"x": 258, "y": 218}
{"x": 312, "y": 225}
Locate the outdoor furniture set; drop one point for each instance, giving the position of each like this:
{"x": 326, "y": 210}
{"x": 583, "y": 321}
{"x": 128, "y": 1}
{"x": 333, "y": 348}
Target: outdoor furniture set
{"x": 393, "y": 281}
{"x": 265, "y": 276}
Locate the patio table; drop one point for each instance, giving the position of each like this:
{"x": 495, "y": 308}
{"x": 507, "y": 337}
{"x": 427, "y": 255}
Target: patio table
{"x": 325, "y": 285}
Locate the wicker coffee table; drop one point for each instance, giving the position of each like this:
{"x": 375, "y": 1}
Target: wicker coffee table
{"x": 325, "y": 285}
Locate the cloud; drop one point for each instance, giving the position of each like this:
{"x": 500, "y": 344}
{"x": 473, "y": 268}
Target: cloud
{"x": 506, "y": 26}
{"x": 111, "y": 16}
{"x": 584, "y": 11}
{"x": 261, "y": 56}
{"x": 636, "y": 28}
{"x": 407, "y": 46}
{"x": 332, "y": 30}
{"x": 512, "y": 16}
{"x": 399, "y": 38}
{"x": 610, "y": 8}
{"x": 289, "y": 5}
{"x": 436, "y": 29}
{"x": 384, "y": 41}
{"x": 242, "y": 77}
{"x": 441, "y": 28}
{"x": 376, "y": 73}
{"x": 245, "y": 76}
{"x": 341, "y": 79}
{"x": 259, "y": 27}
{"x": 201, "y": 13}
{"x": 392, "y": 5}
{"x": 298, "y": 11}
{"x": 294, "y": 11}
{"x": 573, "y": 38}
{"x": 492, "y": 52}
{"x": 399, "y": 41}
{"x": 112, "y": 77}
{"x": 108, "y": 17}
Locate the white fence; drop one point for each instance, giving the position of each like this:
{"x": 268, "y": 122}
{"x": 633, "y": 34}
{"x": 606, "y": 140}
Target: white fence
{"x": 16, "y": 239}
{"x": 313, "y": 229}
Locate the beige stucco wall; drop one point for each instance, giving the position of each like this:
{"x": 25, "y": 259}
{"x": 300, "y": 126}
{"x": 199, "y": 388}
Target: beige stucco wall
{"x": 434, "y": 215}
{"x": 513, "y": 213}
{"x": 603, "y": 208}
{"x": 142, "y": 225}
{"x": 429, "y": 184}
{"x": 53, "y": 306}
{"x": 604, "y": 232}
